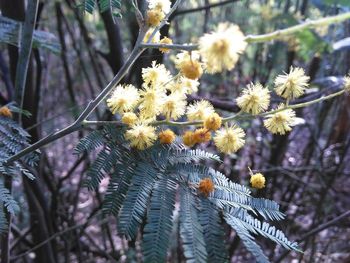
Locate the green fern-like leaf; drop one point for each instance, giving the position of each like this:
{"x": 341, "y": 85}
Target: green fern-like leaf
{"x": 135, "y": 203}
{"x": 213, "y": 232}
{"x": 191, "y": 230}
{"x": 159, "y": 221}
{"x": 7, "y": 200}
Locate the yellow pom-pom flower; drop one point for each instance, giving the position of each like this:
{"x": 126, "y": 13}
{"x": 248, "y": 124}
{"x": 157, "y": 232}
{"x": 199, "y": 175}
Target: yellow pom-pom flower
{"x": 229, "y": 139}
{"x": 161, "y": 5}
{"x": 212, "y": 122}
{"x": 124, "y": 98}
{"x": 293, "y": 84}
{"x": 189, "y": 65}
{"x": 346, "y": 80}
{"x": 220, "y": 50}
{"x": 167, "y": 136}
{"x": 5, "y": 111}
{"x": 188, "y": 138}
{"x": 156, "y": 75}
{"x": 165, "y": 41}
{"x": 201, "y": 135}
{"x": 174, "y": 106}
{"x": 151, "y": 102}
{"x": 129, "y": 118}
{"x": 206, "y": 186}
{"x": 254, "y": 99}
{"x": 154, "y": 17}
{"x": 199, "y": 110}
{"x": 257, "y": 180}
{"x": 141, "y": 136}
{"x": 149, "y": 33}
{"x": 280, "y": 122}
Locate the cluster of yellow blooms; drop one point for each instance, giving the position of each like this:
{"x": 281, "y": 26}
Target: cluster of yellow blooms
{"x": 165, "y": 95}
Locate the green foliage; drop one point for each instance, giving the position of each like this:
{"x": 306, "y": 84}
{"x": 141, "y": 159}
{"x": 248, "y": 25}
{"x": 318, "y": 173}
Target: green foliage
{"x": 104, "y": 5}
{"x": 10, "y": 31}
{"x": 12, "y": 139}
{"x": 142, "y": 190}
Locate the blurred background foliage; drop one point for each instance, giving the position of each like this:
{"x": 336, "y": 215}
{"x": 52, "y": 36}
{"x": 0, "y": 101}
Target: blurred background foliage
{"x": 307, "y": 171}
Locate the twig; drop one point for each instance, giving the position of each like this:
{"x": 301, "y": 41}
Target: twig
{"x": 202, "y": 8}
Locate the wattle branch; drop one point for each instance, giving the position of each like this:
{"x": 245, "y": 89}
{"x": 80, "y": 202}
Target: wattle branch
{"x": 81, "y": 121}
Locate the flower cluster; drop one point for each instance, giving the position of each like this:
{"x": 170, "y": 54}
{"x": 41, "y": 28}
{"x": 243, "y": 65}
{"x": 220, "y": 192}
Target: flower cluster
{"x": 162, "y": 98}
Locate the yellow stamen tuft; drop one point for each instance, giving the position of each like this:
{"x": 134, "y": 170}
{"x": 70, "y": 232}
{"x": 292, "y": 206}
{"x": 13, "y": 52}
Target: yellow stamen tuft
{"x": 166, "y": 41}
{"x": 129, "y": 118}
{"x": 5, "y": 111}
{"x": 201, "y": 135}
{"x": 188, "y": 138}
{"x": 206, "y": 186}
{"x": 213, "y": 122}
{"x": 167, "y": 136}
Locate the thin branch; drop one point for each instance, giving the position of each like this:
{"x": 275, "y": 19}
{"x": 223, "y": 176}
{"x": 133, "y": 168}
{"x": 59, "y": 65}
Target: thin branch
{"x": 77, "y": 125}
{"x": 202, "y": 8}
{"x": 233, "y": 117}
{"x": 278, "y": 34}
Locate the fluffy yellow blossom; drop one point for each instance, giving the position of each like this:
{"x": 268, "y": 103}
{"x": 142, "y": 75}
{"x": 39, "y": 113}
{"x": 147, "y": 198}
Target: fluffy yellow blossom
{"x": 199, "y": 110}
{"x": 129, "y": 118}
{"x": 201, "y": 135}
{"x": 167, "y": 136}
{"x": 254, "y": 99}
{"x": 5, "y": 111}
{"x": 141, "y": 136}
{"x": 189, "y": 65}
{"x": 184, "y": 86}
{"x": 154, "y": 17}
{"x": 281, "y": 121}
{"x": 162, "y": 5}
{"x": 166, "y": 41}
{"x": 257, "y": 180}
{"x": 188, "y": 138}
{"x": 212, "y": 122}
{"x": 155, "y": 75}
{"x": 229, "y": 139}
{"x": 151, "y": 102}
{"x": 148, "y": 34}
{"x": 206, "y": 186}
{"x": 124, "y": 98}
{"x": 346, "y": 80}
{"x": 220, "y": 50}
{"x": 293, "y": 84}
{"x": 174, "y": 106}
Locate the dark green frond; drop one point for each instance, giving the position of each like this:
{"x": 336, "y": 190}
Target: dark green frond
{"x": 159, "y": 225}
{"x": 214, "y": 234}
{"x": 7, "y": 200}
{"x": 90, "y": 142}
{"x": 117, "y": 188}
{"x": 247, "y": 239}
{"x": 263, "y": 228}
{"x": 189, "y": 156}
{"x": 9, "y": 34}
{"x": 191, "y": 230}
{"x": 136, "y": 201}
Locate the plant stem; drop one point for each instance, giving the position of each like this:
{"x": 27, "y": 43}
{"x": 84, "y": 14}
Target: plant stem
{"x": 78, "y": 123}
{"x": 278, "y": 34}
{"x": 236, "y": 116}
